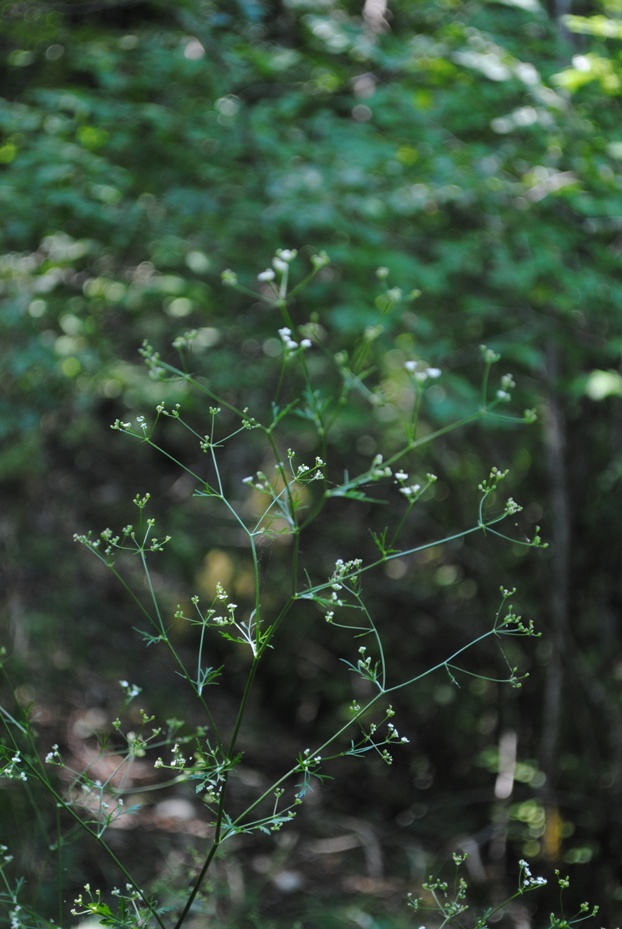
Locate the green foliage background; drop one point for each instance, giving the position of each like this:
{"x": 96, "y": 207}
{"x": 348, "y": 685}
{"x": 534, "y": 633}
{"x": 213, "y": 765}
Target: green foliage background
{"x": 472, "y": 148}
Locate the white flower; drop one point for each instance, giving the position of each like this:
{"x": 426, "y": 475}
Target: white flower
{"x": 320, "y": 260}
{"x": 489, "y": 355}
{"x": 267, "y": 275}
{"x": 379, "y": 470}
{"x": 286, "y": 254}
{"x": 423, "y": 374}
{"x": 289, "y": 343}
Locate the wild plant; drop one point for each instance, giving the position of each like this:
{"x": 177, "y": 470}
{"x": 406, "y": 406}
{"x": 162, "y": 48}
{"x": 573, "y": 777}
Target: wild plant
{"x": 278, "y": 505}
{"x": 449, "y": 903}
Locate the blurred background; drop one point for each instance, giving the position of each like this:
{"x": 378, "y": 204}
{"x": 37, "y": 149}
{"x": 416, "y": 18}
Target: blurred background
{"x": 474, "y": 149}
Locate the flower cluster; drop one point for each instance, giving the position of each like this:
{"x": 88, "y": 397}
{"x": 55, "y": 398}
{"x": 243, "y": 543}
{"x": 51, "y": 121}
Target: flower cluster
{"x": 393, "y": 735}
{"x": 229, "y": 277}
{"x": 283, "y": 257}
{"x": 307, "y": 760}
{"x": 489, "y": 485}
{"x": 507, "y": 384}
{"x": 130, "y": 690}
{"x": 177, "y": 761}
{"x": 54, "y": 756}
{"x": 344, "y": 569}
{"x": 379, "y": 469}
{"x": 526, "y": 881}
{"x": 421, "y": 374}
{"x": 512, "y": 507}
{"x": 489, "y": 355}
{"x": 12, "y": 770}
{"x": 91, "y": 903}
{"x": 280, "y": 263}
{"x": 304, "y": 472}
{"x": 412, "y": 492}
{"x": 210, "y": 617}
{"x": 320, "y": 260}
{"x": 289, "y": 343}
{"x": 258, "y": 482}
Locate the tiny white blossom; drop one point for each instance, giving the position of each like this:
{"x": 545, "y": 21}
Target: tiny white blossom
{"x": 320, "y": 260}
{"x": 421, "y": 375}
{"x": 286, "y": 254}
{"x": 267, "y": 275}
{"x": 489, "y": 355}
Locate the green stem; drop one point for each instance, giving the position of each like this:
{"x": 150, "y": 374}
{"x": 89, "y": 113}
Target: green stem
{"x": 37, "y": 771}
